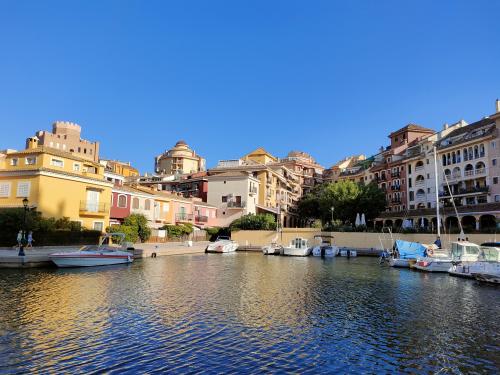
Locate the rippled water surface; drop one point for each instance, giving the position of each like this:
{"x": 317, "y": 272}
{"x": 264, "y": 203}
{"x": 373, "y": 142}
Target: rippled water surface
{"x": 246, "y": 313}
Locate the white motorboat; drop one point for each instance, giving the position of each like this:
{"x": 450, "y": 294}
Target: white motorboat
{"x": 345, "y": 252}
{"x": 272, "y": 249}
{"x": 463, "y": 255}
{"x": 436, "y": 261}
{"x": 487, "y": 268}
{"x": 325, "y": 248}
{"x": 111, "y": 250}
{"x": 298, "y": 247}
{"x": 223, "y": 244}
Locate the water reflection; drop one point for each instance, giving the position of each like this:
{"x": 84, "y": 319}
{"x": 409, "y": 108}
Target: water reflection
{"x": 232, "y": 312}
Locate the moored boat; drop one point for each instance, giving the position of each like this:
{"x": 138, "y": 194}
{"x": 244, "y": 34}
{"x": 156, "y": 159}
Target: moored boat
{"x": 487, "y": 268}
{"x": 223, "y": 244}
{"x": 325, "y": 248}
{"x": 463, "y": 255}
{"x": 404, "y": 252}
{"x": 298, "y": 247}
{"x": 345, "y": 252}
{"x": 107, "y": 252}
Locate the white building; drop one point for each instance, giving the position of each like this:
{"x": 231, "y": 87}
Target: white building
{"x": 234, "y": 194}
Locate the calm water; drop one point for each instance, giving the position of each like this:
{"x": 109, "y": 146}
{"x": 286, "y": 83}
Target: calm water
{"x": 246, "y": 313}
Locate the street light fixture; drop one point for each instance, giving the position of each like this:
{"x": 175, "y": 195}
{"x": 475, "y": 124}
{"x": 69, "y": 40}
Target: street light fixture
{"x": 332, "y": 209}
{"x": 21, "y": 246}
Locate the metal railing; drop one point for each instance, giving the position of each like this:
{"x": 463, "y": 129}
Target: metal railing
{"x": 201, "y": 219}
{"x": 236, "y": 204}
{"x": 183, "y": 217}
{"x": 93, "y": 207}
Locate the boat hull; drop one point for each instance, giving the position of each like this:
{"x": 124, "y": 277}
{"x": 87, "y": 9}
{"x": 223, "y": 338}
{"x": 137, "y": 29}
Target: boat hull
{"x": 399, "y": 263}
{"x": 432, "y": 265}
{"x": 460, "y": 270}
{"x": 271, "y": 250}
{"x": 327, "y": 252}
{"x": 348, "y": 253}
{"x": 90, "y": 260}
{"x": 296, "y": 252}
{"x": 487, "y": 278}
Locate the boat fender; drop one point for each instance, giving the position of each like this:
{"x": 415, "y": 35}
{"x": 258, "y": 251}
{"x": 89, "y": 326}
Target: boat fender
{"x": 430, "y": 252}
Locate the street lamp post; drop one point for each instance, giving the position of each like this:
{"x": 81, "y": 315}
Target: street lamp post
{"x": 21, "y": 246}
{"x": 332, "y": 209}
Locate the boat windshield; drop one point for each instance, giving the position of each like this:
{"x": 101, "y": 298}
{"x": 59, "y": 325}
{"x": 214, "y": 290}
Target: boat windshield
{"x": 490, "y": 254}
{"x": 222, "y": 238}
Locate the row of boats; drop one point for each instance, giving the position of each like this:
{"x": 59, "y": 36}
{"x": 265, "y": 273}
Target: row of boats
{"x": 464, "y": 259}
{"x": 298, "y": 247}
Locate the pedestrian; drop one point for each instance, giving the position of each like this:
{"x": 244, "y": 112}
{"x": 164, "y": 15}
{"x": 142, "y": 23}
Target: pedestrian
{"x": 30, "y": 239}
{"x": 20, "y": 238}
{"x": 438, "y": 242}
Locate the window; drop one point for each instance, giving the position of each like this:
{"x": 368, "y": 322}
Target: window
{"x": 30, "y": 160}
{"x": 224, "y": 199}
{"x": 79, "y": 149}
{"x": 409, "y": 168}
{"x": 428, "y": 176}
{"x": 147, "y": 205}
{"x": 428, "y": 190}
{"x": 493, "y": 144}
{"x": 495, "y": 180}
{"x": 494, "y": 161}
{"x": 166, "y": 207}
{"x": 64, "y": 146}
{"x": 76, "y": 167}
{"x": 135, "y": 203}
{"x": 14, "y": 161}
{"x": 23, "y": 189}
{"x": 51, "y": 144}
{"x": 427, "y": 161}
{"x": 57, "y": 162}
{"x": 122, "y": 201}
{"x": 4, "y": 190}
{"x": 497, "y": 198}
{"x": 98, "y": 225}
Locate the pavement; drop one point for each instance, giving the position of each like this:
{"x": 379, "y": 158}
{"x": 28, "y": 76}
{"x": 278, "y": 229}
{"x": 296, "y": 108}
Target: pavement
{"x": 39, "y": 256}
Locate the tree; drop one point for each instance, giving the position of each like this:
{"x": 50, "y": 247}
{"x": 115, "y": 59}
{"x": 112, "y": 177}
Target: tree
{"x": 135, "y": 227}
{"x": 346, "y": 197}
{"x": 254, "y": 222}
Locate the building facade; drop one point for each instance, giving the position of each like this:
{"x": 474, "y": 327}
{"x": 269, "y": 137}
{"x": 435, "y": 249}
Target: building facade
{"x": 180, "y": 159}
{"x": 56, "y": 183}
{"x": 66, "y": 136}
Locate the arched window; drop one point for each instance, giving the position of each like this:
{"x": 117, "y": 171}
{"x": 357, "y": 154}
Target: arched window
{"x": 122, "y": 201}
{"x": 444, "y": 160}
{"x": 471, "y": 154}
{"x": 476, "y": 152}
{"x": 448, "y": 159}
{"x": 458, "y": 157}
{"x": 135, "y": 203}
{"x": 466, "y": 156}
{"x": 453, "y": 157}
{"x": 481, "y": 151}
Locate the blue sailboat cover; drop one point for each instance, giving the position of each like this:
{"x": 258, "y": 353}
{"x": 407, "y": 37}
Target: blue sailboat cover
{"x": 410, "y": 250}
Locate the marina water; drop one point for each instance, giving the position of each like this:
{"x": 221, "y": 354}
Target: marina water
{"x": 245, "y": 312}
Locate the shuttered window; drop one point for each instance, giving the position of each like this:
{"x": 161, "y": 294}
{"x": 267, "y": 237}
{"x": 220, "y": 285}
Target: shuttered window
{"x": 23, "y": 189}
{"x": 5, "y": 189}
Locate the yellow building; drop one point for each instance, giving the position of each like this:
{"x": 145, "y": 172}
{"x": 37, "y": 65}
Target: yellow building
{"x": 57, "y": 184}
{"x": 180, "y": 159}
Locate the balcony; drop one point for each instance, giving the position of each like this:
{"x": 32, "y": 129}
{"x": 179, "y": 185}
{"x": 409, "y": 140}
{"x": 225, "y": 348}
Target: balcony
{"x": 480, "y": 171}
{"x": 420, "y": 197}
{"x": 252, "y": 190}
{"x": 396, "y": 201}
{"x": 88, "y": 208}
{"x": 420, "y": 182}
{"x": 201, "y": 219}
{"x": 236, "y": 204}
{"x": 419, "y": 168}
{"x": 396, "y": 188}
{"x": 395, "y": 174}
{"x": 472, "y": 190}
{"x": 183, "y": 217}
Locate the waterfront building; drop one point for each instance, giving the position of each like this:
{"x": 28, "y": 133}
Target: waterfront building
{"x": 234, "y": 193}
{"x": 278, "y": 185}
{"x": 180, "y": 159}
{"x": 333, "y": 174}
{"x": 494, "y": 159}
{"x": 193, "y": 185}
{"x": 308, "y": 172}
{"x": 66, "y": 136}
{"x": 57, "y": 183}
{"x": 117, "y": 171}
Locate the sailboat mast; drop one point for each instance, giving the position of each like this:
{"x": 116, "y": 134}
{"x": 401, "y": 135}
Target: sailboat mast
{"x": 437, "y": 192}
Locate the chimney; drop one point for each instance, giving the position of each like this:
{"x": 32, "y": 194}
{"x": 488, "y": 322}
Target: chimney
{"x": 498, "y": 105}
{"x": 31, "y": 143}
{"x": 445, "y": 126}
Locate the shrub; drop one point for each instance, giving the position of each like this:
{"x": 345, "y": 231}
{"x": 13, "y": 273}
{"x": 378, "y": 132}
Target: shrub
{"x": 254, "y": 222}
{"x": 178, "y": 231}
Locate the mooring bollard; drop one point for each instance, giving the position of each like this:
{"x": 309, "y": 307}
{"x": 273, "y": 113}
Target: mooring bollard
{"x": 153, "y": 255}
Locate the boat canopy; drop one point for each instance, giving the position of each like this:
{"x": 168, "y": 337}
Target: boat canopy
{"x": 410, "y": 250}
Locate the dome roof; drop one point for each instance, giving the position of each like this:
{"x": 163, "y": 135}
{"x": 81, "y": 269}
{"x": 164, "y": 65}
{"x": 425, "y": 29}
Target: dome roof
{"x": 181, "y": 143}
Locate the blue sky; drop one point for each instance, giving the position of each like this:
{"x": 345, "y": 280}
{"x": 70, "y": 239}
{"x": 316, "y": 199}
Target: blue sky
{"x": 331, "y": 78}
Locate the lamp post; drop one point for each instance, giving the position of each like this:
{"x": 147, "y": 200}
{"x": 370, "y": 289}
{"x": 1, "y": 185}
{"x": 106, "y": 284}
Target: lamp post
{"x": 21, "y": 247}
{"x": 332, "y": 209}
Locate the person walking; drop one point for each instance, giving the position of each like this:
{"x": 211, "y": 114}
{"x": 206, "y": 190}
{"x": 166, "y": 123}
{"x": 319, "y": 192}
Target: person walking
{"x": 20, "y": 238}
{"x": 30, "y": 239}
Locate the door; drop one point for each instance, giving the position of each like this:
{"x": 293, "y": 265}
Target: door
{"x": 92, "y": 201}
{"x": 182, "y": 213}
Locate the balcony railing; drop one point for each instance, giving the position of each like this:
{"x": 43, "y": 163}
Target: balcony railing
{"x": 480, "y": 171}
{"x": 201, "y": 219}
{"x": 236, "y": 204}
{"x": 93, "y": 208}
{"x": 395, "y": 187}
{"x": 420, "y": 183}
{"x": 183, "y": 217}
{"x": 396, "y": 200}
{"x": 469, "y": 173}
{"x": 395, "y": 174}
{"x": 253, "y": 190}
{"x": 479, "y": 190}
{"x": 419, "y": 168}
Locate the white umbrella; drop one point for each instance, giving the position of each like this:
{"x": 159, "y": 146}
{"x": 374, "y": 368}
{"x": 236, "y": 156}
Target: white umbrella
{"x": 363, "y": 219}
{"x": 422, "y": 223}
{"x": 358, "y": 221}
